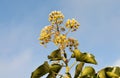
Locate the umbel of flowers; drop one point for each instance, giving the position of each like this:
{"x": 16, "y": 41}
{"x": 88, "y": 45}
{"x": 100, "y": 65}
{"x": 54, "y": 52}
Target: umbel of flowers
{"x": 57, "y": 32}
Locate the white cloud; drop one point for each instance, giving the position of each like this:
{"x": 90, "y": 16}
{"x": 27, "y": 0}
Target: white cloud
{"x": 15, "y": 35}
{"x": 17, "y": 42}
{"x": 117, "y": 63}
{"x": 15, "y": 65}
{"x": 99, "y": 20}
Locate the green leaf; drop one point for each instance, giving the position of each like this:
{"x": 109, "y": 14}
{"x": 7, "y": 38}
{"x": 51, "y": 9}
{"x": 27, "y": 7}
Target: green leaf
{"x": 55, "y": 55}
{"x": 54, "y": 70}
{"x": 55, "y": 67}
{"x": 77, "y": 54}
{"x": 88, "y": 71}
{"x": 41, "y": 70}
{"x": 78, "y": 69}
{"x": 109, "y": 72}
{"x": 88, "y": 58}
{"x": 114, "y": 73}
{"x": 84, "y": 57}
{"x": 68, "y": 75}
{"x": 101, "y": 74}
{"x": 51, "y": 75}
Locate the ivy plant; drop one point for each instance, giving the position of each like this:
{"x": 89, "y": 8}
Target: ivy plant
{"x": 57, "y": 33}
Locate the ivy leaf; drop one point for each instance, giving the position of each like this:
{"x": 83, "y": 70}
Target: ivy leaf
{"x": 114, "y": 73}
{"x": 84, "y": 57}
{"x": 54, "y": 70}
{"x": 109, "y": 72}
{"x": 88, "y": 71}
{"x": 51, "y": 75}
{"x": 101, "y": 74}
{"x": 41, "y": 70}
{"x": 78, "y": 69}
{"x": 68, "y": 75}
{"x": 55, "y": 55}
{"x": 77, "y": 54}
{"x": 55, "y": 67}
{"x": 88, "y": 58}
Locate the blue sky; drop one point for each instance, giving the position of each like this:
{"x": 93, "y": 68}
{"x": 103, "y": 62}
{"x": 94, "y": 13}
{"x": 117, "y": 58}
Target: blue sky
{"x": 22, "y": 20}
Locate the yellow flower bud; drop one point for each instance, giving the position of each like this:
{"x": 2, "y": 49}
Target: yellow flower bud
{"x": 72, "y": 24}
{"x": 45, "y": 35}
{"x": 56, "y": 16}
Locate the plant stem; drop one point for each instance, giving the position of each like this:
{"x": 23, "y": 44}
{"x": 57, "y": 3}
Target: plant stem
{"x": 67, "y": 32}
{"x": 73, "y": 64}
{"x": 58, "y": 74}
{"x": 57, "y": 26}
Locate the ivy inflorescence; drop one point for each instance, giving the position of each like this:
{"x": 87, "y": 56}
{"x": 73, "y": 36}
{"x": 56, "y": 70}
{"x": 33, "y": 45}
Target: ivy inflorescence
{"x": 57, "y": 32}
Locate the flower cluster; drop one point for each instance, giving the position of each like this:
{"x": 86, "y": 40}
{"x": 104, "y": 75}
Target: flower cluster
{"x": 73, "y": 43}
{"x": 72, "y": 24}
{"x": 45, "y": 35}
{"x": 56, "y": 17}
{"x": 61, "y": 40}
{"x": 57, "y": 34}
